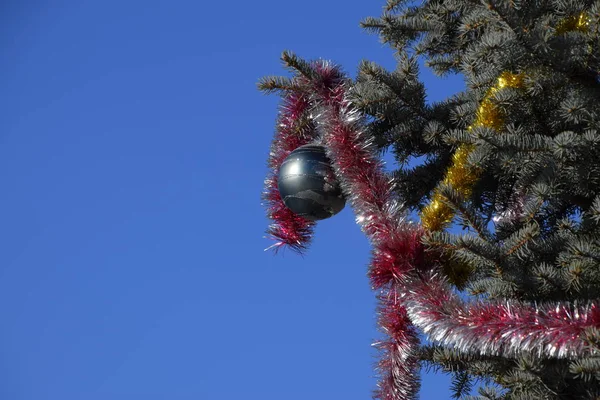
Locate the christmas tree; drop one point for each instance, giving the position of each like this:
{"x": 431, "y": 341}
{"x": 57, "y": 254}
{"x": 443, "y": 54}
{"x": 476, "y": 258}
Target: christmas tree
{"x": 512, "y": 301}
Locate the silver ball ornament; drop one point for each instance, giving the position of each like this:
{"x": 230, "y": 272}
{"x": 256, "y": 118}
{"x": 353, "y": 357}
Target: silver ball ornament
{"x": 308, "y": 185}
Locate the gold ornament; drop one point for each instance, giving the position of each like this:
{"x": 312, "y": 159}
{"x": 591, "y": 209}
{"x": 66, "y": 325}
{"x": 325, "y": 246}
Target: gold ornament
{"x": 460, "y": 176}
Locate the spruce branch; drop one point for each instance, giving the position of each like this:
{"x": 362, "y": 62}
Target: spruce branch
{"x": 517, "y": 243}
{"x": 404, "y": 86}
{"x": 275, "y": 84}
{"x": 586, "y": 369}
{"x": 297, "y": 64}
{"x": 461, "y": 385}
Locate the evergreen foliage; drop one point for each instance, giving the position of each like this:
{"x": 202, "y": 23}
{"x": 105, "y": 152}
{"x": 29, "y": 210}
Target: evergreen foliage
{"x": 532, "y": 221}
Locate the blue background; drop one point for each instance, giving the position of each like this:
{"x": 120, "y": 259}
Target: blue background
{"x": 133, "y": 145}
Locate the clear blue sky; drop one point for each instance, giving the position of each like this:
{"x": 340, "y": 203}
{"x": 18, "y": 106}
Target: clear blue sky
{"x": 132, "y": 154}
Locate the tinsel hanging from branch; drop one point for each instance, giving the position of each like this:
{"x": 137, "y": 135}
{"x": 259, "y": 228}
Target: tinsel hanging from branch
{"x": 574, "y": 23}
{"x": 507, "y": 329}
{"x": 462, "y": 177}
{"x": 398, "y": 365}
{"x": 294, "y": 129}
{"x": 396, "y": 244}
{"x": 437, "y": 215}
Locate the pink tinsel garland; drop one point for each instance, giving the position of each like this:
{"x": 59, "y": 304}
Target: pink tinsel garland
{"x": 287, "y": 229}
{"x": 396, "y": 244}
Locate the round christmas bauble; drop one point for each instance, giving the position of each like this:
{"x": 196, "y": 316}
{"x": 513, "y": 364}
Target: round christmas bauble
{"x": 308, "y": 185}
